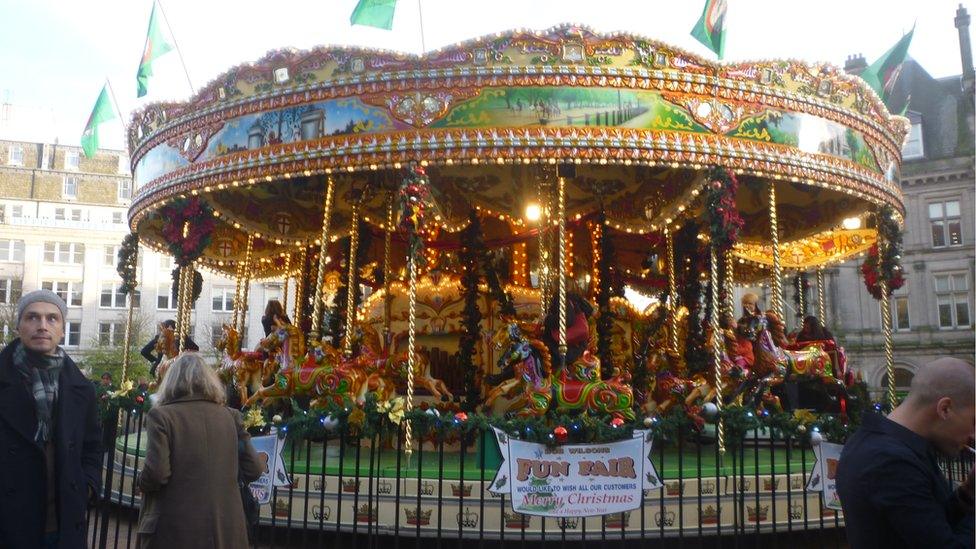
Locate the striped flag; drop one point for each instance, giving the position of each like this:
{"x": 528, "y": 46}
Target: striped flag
{"x": 156, "y": 45}
{"x": 710, "y": 29}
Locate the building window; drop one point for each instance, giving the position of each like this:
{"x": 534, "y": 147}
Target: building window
{"x": 165, "y": 263}
{"x": 72, "y": 160}
{"x": 223, "y": 299}
{"x": 899, "y": 313}
{"x": 17, "y": 211}
{"x": 111, "y": 333}
{"x": 113, "y": 298}
{"x": 125, "y": 190}
{"x": 118, "y": 218}
{"x": 76, "y": 215}
{"x": 59, "y": 214}
{"x": 12, "y": 250}
{"x": 952, "y": 299}
{"x": 945, "y": 222}
{"x": 913, "y": 147}
{"x": 10, "y": 290}
{"x": 16, "y": 157}
{"x": 111, "y": 256}
{"x": 124, "y": 163}
{"x": 72, "y": 334}
{"x": 164, "y": 297}
{"x": 70, "y": 292}
{"x": 64, "y": 252}
{"x": 70, "y": 188}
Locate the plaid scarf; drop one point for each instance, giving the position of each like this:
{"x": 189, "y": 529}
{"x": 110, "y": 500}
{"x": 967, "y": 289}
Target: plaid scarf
{"x": 42, "y": 372}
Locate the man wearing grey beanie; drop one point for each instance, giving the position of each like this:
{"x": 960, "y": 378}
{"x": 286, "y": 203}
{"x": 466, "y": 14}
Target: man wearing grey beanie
{"x": 50, "y": 431}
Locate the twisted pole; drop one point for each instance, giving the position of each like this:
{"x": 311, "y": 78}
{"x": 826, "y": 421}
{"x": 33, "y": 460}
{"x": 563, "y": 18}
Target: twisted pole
{"x": 716, "y": 347}
{"x": 316, "y": 331}
{"x": 776, "y": 288}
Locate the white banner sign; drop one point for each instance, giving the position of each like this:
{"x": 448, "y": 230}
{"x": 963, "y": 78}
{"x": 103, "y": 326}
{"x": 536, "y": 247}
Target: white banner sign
{"x": 575, "y": 480}
{"x": 823, "y": 477}
{"x": 269, "y": 449}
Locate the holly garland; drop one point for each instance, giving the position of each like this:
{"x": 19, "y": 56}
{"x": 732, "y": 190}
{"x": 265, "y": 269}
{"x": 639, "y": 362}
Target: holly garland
{"x": 610, "y": 285}
{"x": 127, "y": 397}
{"x": 126, "y": 266}
{"x": 721, "y": 213}
{"x": 188, "y": 225}
{"x": 372, "y": 418}
{"x": 416, "y": 209}
{"x": 197, "y": 286}
{"x": 690, "y": 261}
{"x": 885, "y": 267}
{"x": 472, "y": 244}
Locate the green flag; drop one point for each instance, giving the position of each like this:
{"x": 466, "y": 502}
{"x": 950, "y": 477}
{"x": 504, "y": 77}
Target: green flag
{"x": 374, "y": 13}
{"x": 710, "y": 29}
{"x": 881, "y": 74}
{"x": 102, "y": 112}
{"x": 156, "y": 45}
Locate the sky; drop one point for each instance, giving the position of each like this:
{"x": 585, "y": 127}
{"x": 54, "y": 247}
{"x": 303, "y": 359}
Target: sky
{"x": 55, "y": 55}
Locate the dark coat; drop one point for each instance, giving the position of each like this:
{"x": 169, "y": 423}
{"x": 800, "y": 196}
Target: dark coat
{"x": 189, "y": 478}
{"x": 23, "y": 478}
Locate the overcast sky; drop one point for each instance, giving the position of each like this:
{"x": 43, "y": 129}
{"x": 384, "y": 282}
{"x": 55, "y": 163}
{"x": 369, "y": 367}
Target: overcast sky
{"x": 55, "y": 54}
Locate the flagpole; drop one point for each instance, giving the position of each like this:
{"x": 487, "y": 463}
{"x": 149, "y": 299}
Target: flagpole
{"x": 176, "y": 45}
{"x": 115, "y": 101}
{"x": 423, "y": 45}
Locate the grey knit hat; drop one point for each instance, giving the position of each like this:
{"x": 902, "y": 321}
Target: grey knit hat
{"x": 41, "y": 296}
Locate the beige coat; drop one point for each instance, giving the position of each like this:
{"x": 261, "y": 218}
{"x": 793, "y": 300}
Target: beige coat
{"x": 189, "y": 478}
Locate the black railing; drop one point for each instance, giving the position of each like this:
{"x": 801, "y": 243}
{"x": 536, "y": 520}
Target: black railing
{"x": 347, "y": 491}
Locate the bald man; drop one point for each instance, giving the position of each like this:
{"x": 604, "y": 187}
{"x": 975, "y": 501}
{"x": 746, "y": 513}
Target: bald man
{"x": 888, "y": 479}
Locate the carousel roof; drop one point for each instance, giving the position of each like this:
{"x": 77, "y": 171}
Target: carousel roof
{"x": 491, "y": 118}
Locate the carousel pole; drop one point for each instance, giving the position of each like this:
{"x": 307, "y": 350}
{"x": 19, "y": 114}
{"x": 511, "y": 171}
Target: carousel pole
{"x": 411, "y": 350}
{"x": 776, "y": 288}
{"x": 802, "y": 296}
{"x": 351, "y": 280}
{"x": 387, "y": 271}
{"x": 728, "y": 305}
{"x": 716, "y": 348}
{"x": 323, "y": 253}
{"x": 245, "y": 285}
{"x": 821, "y": 298}
{"x": 672, "y": 294}
{"x": 238, "y": 275}
{"x": 284, "y": 288}
{"x": 561, "y": 212}
{"x": 888, "y": 344}
{"x": 300, "y": 287}
{"x": 183, "y": 313}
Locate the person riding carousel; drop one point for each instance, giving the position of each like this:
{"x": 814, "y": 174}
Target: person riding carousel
{"x": 150, "y": 348}
{"x": 274, "y": 313}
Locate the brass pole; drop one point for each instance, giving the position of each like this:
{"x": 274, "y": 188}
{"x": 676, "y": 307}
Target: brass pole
{"x": 351, "y": 282}
{"x": 776, "y": 288}
{"x": 323, "y": 253}
{"x": 717, "y": 348}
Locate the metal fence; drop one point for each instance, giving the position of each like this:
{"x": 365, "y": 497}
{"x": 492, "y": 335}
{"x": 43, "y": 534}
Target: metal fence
{"x": 348, "y": 491}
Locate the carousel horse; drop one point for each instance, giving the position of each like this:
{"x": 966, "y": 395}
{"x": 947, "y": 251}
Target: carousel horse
{"x": 576, "y": 386}
{"x": 386, "y": 367}
{"x": 167, "y": 347}
{"x": 325, "y": 375}
{"x": 245, "y": 368}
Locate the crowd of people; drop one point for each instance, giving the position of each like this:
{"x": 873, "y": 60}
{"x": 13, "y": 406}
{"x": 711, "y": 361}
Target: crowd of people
{"x": 891, "y": 487}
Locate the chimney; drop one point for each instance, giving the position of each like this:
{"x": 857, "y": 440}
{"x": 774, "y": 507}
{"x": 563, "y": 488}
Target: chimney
{"x": 855, "y": 64}
{"x": 965, "y": 48}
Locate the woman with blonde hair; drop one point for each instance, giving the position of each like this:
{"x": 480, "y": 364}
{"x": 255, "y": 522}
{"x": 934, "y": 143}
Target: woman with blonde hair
{"x": 197, "y": 449}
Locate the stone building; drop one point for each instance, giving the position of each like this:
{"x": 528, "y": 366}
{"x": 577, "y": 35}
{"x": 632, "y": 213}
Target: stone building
{"x": 933, "y": 312}
{"x": 62, "y": 218}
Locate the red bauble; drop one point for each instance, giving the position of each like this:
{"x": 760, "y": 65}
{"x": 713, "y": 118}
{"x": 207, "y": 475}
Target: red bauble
{"x": 461, "y": 416}
{"x": 616, "y": 422}
{"x": 140, "y": 400}
{"x": 561, "y": 433}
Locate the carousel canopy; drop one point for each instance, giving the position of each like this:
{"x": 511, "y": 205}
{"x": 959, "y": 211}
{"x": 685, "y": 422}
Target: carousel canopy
{"x": 492, "y": 119}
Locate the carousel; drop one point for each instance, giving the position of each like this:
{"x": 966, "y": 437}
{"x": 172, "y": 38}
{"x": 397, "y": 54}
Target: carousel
{"x": 455, "y": 234}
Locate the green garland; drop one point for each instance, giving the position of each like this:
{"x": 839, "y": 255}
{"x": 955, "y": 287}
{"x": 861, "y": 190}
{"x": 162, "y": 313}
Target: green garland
{"x": 126, "y": 266}
{"x": 691, "y": 259}
{"x": 197, "y": 285}
{"x": 472, "y": 244}
{"x": 127, "y": 397}
{"x": 610, "y": 285}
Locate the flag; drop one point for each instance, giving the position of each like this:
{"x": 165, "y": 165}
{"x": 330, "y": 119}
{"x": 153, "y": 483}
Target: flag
{"x": 881, "y": 74}
{"x": 156, "y": 45}
{"x": 710, "y": 29}
{"x": 102, "y": 112}
{"x": 374, "y": 13}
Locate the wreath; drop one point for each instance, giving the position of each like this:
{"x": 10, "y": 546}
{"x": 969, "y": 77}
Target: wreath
{"x": 724, "y": 221}
{"x": 417, "y": 209}
{"x": 188, "y": 225}
{"x": 885, "y": 266}
{"x": 126, "y": 267}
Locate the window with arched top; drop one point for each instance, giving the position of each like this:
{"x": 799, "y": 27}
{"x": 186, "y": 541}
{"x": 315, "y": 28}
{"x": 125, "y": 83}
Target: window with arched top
{"x": 903, "y": 381}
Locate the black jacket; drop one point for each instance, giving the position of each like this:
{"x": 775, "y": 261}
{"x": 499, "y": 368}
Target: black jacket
{"x": 149, "y": 350}
{"x": 894, "y": 494}
{"x": 23, "y": 477}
